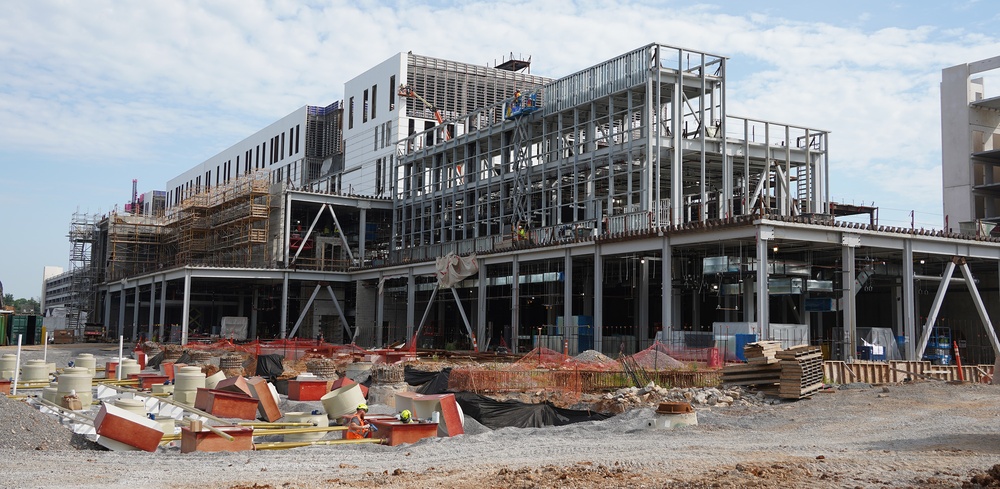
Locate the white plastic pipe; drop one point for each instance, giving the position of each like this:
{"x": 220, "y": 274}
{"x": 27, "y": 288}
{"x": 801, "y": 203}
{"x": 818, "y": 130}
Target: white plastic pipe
{"x": 118, "y": 369}
{"x": 45, "y": 347}
{"x": 17, "y": 367}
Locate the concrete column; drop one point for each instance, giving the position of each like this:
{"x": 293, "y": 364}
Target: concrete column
{"x": 135, "y": 312}
{"x": 643, "y": 316}
{"x": 909, "y": 307}
{"x": 850, "y": 289}
{"x": 362, "y": 217}
{"x": 152, "y": 308}
{"x": 568, "y": 297}
{"x": 764, "y": 235}
{"x": 186, "y": 308}
{"x": 121, "y": 310}
{"x": 411, "y": 299}
{"x": 379, "y": 312}
{"x": 284, "y": 306}
{"x": 107, "y": 310}
{"x": 666, "y": 298}
{"x": 163, "y": 305}
{"x": 598, "y": 296}
{"x": 515, "y": 304}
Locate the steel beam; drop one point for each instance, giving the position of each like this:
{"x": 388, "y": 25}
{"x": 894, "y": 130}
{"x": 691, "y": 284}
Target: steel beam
{"x": 935, "y": 309}
{"x": 302, "y": 315}
{"x": 340, "y": 312}
{"x": 981, "y": 309}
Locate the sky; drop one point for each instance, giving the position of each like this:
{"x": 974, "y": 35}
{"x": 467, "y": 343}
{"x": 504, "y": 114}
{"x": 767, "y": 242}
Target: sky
{"x": 95, "y": 94}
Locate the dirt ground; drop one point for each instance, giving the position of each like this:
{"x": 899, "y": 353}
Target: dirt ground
{"x": 921, "y": 434}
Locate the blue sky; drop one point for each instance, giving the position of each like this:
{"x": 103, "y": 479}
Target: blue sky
{"x": 94, "y": 94}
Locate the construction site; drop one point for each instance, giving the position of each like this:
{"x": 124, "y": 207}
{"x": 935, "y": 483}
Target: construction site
{"x": 512, "y": 259}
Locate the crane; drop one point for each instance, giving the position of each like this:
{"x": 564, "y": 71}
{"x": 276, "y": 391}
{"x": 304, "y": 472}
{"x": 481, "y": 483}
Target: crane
{"x": 406, "y": 91}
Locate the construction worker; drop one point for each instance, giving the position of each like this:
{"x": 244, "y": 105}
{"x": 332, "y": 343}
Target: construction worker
{"x": 405, "y": 416}
{"x": 357, "y": 427}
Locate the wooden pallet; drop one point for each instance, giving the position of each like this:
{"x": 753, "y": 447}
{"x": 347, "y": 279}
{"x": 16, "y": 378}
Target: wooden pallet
{"x": 801, "y": 372}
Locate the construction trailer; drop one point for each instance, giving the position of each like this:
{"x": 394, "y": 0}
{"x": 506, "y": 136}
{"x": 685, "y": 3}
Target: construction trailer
{"x": 627, "y": 206}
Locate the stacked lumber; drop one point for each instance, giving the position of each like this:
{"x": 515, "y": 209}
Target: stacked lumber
{"x": 801, "y": 372}
{"x": 794, "y": 373}
{"x": 762, "y": 368}
{"x": 762, "y": 352}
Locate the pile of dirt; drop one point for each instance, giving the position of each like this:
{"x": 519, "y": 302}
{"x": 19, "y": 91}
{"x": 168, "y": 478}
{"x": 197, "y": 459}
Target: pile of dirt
{"x": 23, "y": 427}
{"x": 990, "y": 478}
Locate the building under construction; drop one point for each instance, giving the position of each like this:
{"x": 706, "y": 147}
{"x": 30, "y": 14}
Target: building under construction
{"x": 604, "y": 210}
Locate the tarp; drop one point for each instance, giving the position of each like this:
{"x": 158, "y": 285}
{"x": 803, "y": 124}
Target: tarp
{"x": 269, "y": 366}
{"x": 429, "y": 382}
{"x": 155, "y": 361}
{"x": 496, "y": 414}
{"x": 452, "y": 269}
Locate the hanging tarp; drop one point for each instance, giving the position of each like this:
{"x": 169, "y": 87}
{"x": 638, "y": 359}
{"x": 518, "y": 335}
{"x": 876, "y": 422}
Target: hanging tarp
{"x": 496, "y": 414}
{"x": 452, "y": 269}
{"x": 429, "y": 382}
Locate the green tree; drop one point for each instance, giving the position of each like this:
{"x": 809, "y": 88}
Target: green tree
{"x": 22, "y": 305}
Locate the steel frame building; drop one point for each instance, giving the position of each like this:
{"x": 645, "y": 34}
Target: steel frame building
{"x": 627, "y": 206}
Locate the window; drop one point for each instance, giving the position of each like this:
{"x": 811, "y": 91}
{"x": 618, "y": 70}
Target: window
{"x": 392, "y": 93}
{"x": 350, "y": 114}
{"x": 376, "y": 138}
{"x": 257, "y": 164}
{"x": 217, "y": 172}
{"x": 291, "y": 136}
{"x": 296, "y": 138}
{"x": 282, "y": 151}
{"x": 374, "y": 100}
{"x": 364, "y": 108}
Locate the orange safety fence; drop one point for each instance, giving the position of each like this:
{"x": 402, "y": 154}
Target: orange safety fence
{"x": 570, "y": 381}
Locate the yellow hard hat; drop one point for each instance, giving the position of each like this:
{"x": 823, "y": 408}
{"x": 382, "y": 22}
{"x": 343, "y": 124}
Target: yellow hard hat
{"x": 405, "y": 415}
{"x": 363, "y": 406}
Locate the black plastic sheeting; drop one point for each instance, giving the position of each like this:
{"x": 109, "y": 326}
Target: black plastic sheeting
{"x": 155, "y": 361}
{"x": 185, "y": 358}
{"x": 269, "y": 366}
{"x": 429, "y": 382}
{"x": 496, "y": 414}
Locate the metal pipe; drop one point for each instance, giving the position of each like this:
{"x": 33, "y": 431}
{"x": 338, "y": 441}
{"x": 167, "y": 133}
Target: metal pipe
{"x": 186, "y": 407}
{"x": 121, "y": 346}
{"x": 213, "y": 429}
{"x": 254, "y": 424}
{"x": 66, "y": 412}
{"x": 17, "y": 366}
{"x": 296, "y": 444}
{"x": 296, "y": 431}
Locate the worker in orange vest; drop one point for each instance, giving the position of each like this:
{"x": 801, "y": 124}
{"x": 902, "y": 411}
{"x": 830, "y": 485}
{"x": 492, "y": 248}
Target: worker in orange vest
{"x": 357, "y": 427}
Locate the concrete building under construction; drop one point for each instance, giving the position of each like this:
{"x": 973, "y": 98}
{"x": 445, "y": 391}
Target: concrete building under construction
{"x": 606, "y": 209}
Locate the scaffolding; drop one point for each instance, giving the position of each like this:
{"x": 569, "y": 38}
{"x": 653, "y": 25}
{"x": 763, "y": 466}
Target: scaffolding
{"x": 82, "y": 236}
{"x": 237, "y": 216}
{"x": 134, "y": 243}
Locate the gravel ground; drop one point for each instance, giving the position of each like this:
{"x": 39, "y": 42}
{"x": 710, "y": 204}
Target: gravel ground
{"x": 924, "y": 434}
